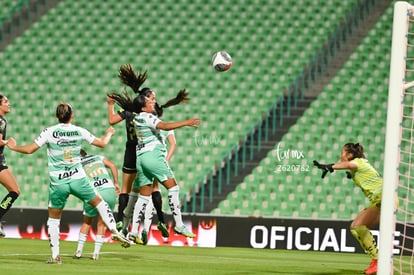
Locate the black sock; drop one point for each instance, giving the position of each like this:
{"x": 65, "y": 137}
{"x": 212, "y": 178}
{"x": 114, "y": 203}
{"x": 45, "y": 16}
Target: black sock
{"x": 157, "y": 201}
{"x": 122, "y": 203}
{"x": 7, "y": 202}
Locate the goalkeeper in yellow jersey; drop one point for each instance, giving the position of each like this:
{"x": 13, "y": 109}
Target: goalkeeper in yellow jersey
{"x": 370, "y": 182}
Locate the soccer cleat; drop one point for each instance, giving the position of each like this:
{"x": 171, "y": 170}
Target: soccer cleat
{"x": 2, "y": 233}
{"x": 78, "y": 255}
{"x": 144, "y": 237}
{"x": 184, "y": 231}
{"x": 56, "y": 260}
{"x": 164, "y": 230}
{"x": 372, "y": 269}
{"x": 118, "y": 237}
{"x": 95, "y": 257}
{"x": 134, "y": 239}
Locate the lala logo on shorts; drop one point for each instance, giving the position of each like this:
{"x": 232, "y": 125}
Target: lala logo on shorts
{"x": 99, "y": 182}
{"x": 67, "y": 174}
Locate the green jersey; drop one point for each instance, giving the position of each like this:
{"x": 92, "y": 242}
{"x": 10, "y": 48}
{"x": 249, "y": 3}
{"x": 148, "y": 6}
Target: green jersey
{"x": 368, "y": 179}
{"x": 148, "y": 136}
{"x": 64, "y": 142}
{"x": 96, "y": 171}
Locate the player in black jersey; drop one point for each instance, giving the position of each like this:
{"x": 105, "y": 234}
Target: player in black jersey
{"x": 6, "y": 177}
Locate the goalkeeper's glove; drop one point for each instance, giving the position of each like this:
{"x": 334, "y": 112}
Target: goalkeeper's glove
{"x": 324, "y": 167}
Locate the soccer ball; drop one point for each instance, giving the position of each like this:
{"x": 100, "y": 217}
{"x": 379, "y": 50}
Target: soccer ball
{"x": 221, "y": 61}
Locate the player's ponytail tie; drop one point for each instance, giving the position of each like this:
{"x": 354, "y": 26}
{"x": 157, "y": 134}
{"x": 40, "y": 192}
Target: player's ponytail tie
{"x": 324, "y": 167}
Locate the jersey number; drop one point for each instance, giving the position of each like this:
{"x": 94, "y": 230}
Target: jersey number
{"x": 93, "y": 170}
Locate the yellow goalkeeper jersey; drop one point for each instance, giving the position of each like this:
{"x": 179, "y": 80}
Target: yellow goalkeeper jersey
{"x": 368, "y": 179}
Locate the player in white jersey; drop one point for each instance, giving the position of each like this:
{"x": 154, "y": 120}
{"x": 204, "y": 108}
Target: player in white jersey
{"x": 135, "y": 81}
{"x": 129, "y": 167}
{"x": 66, "y": 173}
{"x": 151, "y": 163}
{"x": 156, "y": 199}
{"x": 96, "y": 168}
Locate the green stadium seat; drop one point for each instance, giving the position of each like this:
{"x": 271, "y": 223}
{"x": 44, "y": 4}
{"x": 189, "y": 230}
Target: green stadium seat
{"x": 78, "y": 38}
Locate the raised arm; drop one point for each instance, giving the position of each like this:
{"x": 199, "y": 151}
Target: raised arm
{"x": 104, "y": 140}
{"x": 345, "y": 165}
{"x": 193, "y": 122}
{"x": 113, "y": 117}
{"x": 24, "y": 149}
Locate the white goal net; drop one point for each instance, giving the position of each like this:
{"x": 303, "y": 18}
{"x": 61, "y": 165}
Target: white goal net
{"x": 396, "y": 252}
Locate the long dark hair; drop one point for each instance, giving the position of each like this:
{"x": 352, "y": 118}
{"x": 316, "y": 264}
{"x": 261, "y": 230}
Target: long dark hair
{"x": 181, "y": 97}
{"x": 134, "y": 80}
{"x": 355, "y": 149}
{"x": 128, "y": 103}
{"x": 130, "y": 78}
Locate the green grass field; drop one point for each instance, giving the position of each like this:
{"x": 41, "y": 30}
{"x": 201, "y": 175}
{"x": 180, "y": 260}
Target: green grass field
{"x": 24, "y": 256}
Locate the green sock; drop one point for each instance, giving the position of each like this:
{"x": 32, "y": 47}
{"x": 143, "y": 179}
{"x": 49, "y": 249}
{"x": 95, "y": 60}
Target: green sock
{"x": 366, "y": 240}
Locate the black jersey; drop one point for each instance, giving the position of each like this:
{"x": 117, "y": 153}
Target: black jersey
{"x": 129, "y": 127}
{"x": 3, "y": 126}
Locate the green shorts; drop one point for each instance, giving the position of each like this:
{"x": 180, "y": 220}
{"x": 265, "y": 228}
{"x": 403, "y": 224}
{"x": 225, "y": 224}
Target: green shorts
{"x": 80, "y": 188}
{"x": 152, "y": 165}
{"x": 108, "y": 195}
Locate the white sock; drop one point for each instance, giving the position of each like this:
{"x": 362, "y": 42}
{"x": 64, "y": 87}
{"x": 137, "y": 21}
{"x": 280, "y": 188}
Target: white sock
{"x": 148, "y": 215}
{"x": 174, "y": 202}
{"x": 139, "y": 212}
{"x": 99, "y": 241}
{"x": 106, "y": 215}
{"x": 133, "y": 197}
{"x": 53, "y": 227}
{"x": 81, "y": 241}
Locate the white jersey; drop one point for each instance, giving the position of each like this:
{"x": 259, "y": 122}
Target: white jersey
{"x": 148, "y": 136}
{"x": 96, "y": 171}
{"x": 63, "y": 151}
{"x": 165, "y": 134}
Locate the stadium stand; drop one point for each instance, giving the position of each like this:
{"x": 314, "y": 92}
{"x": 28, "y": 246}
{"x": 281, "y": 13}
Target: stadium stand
{"x": 74, "y": 51}
{"x": 352, "y": 108}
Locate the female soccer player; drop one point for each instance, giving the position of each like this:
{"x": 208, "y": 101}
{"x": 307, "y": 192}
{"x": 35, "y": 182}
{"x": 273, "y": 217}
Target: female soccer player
{"x": 156, "y": 198}
{"x": 151, "y": 163}
{"x": 134, "y": 81}
{"x": 129, "y": 170}
{"x": 106, "y": 184}
{"x": 67, "y": 176}
{"x": 370, "y": 182}
{"x": 6, "y": 176}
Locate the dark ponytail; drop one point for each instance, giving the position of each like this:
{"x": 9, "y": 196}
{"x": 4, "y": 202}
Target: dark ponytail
{"x": 129, "y": 78}
{"x": 182, "y": 97}
{"x": 355, "y": 149}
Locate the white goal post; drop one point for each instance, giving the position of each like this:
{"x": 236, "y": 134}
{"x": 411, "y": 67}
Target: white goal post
{"x": 398, "y": 84}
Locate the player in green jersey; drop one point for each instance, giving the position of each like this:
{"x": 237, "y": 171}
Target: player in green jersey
{"x": 129, "y": 169}
{"x": 66, "y": 173}
{"x": 135, "y": 80}
{"x": 96, "y": 168}
{"x": 370, "y": 181}
{"x": 151, "y": 163}
{"x": 156, "y": 199}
